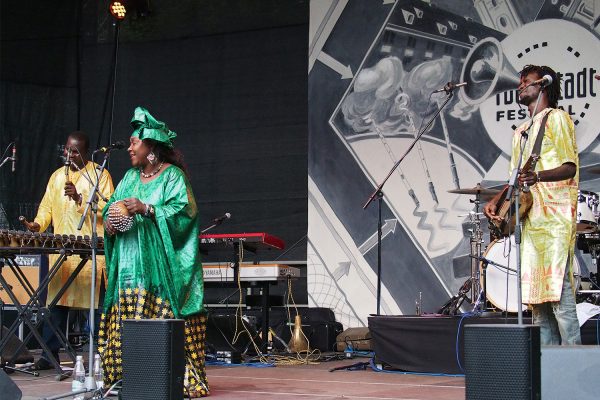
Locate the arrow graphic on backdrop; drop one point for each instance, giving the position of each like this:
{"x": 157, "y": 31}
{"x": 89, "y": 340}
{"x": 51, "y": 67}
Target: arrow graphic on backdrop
{"x": 388, "y": 227}
{"x": 342, "y": 269}
{"x": 344, "y": 71}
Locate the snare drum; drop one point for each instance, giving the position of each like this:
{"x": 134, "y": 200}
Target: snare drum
{"x": 587, "y": 211}
{"x": 503, "y": 294}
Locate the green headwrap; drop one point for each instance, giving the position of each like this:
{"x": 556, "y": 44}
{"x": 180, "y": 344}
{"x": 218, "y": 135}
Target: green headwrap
{"x": 147, "y": 127}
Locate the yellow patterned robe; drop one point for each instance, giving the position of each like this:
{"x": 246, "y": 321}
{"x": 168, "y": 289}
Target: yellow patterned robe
{"x": 549, "y": 230}
{"x": 64, "y": 214}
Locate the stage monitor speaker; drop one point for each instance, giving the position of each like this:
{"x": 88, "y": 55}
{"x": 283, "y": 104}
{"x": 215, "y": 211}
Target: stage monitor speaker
{"x": 8, "y": 389}
{"x": 10, "y": 348}
{"x": 153, "y": 359}
{"x": 502, "y": 362}
{"x": 569, "y": 372}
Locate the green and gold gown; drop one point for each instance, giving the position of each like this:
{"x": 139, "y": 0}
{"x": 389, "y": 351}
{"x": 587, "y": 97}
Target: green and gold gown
{"x": 154, "y": 272}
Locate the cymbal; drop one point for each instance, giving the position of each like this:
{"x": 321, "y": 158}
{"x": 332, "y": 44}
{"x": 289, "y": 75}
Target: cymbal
{"x": 476, "y": 190}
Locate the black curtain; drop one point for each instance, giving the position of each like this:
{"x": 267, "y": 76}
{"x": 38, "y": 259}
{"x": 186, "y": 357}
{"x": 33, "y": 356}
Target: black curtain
{"x": 229, "y": 77}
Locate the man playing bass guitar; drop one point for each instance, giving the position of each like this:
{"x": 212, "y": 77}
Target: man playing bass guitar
{"x": 549, "y": 229}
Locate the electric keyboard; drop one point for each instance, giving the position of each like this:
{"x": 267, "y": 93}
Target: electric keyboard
{"x": 251, "y": 241}
{"x": 249, "y": 272}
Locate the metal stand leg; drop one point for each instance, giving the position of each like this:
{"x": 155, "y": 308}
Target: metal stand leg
{"x": 24, "y": 313}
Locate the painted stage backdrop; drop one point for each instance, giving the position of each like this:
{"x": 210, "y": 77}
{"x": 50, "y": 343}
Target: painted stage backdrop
{"x": 374, "y": 67}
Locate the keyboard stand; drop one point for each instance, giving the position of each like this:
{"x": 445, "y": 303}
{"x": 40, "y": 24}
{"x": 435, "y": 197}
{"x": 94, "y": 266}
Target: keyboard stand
{"x": 25, "y": 312}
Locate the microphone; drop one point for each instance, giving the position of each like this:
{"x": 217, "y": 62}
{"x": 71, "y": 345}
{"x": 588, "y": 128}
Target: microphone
{"x": 546, "y": 80}
{"x": 222, "y": 218}
{"x": 115, "y": 146}
{"x": 68, "y": 163}
{"x": 450, "y": 87}
{"x": 14, "y": 157}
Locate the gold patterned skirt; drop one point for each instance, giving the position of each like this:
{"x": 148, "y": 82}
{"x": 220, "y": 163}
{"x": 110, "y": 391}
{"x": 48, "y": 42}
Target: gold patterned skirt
{"x": 135, "y": 303}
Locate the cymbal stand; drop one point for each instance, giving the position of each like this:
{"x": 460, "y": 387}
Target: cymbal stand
{"x": 476, "y": 251}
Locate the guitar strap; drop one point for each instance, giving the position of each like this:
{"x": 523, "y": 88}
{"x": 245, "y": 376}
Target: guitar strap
{"x": 537, "y": 146}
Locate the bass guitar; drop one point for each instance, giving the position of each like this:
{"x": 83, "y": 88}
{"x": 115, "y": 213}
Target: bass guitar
{"x": 506, "y": 207}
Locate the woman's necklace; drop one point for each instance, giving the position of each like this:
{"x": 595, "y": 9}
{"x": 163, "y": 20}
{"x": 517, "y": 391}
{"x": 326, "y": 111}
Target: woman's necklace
{"x": 151, "y": 174}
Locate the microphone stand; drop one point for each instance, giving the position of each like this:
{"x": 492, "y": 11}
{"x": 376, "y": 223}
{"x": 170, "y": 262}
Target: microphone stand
{"x": 378, "y": 193}
{"x": 236, "y": 248}
{"x": 7, "y": 159}
{"x": 92, "y": 204}
{"x": 513, "y": 190}
{"x": 216, "y": 222}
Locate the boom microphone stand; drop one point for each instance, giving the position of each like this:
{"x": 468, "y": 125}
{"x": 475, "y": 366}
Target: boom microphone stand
{"x": 378, "y": 193}
{"x": 92, "y": 206}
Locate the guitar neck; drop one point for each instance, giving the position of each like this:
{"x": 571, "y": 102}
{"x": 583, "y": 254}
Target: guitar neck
{"x": 529, "y": 164}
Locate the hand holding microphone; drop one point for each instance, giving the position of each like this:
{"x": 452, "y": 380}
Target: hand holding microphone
{"x": 68, "y": 163}
{"x": 71, "y": 191}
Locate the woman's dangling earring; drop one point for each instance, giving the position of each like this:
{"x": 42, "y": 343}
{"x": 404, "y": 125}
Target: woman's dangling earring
{"x": 151, "y": 158}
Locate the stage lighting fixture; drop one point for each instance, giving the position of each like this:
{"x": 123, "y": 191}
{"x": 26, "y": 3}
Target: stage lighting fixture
{"x": 117, "y": 9}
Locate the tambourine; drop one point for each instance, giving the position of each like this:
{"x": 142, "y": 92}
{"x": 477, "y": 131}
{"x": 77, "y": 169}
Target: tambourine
{"x": 119, "y": 217}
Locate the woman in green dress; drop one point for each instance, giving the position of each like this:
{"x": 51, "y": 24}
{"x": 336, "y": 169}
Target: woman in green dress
{"x": 152, "y": 261}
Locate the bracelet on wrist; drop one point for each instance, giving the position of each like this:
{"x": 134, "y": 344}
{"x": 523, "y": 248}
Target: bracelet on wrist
{"x": 149, "y": 213}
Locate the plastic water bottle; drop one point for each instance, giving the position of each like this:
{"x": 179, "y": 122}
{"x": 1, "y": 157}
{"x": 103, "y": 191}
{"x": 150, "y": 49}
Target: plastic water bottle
{"x": 98, "y": 373}
{"x": 78, "y": 378}
{"x": 349, "y": 352}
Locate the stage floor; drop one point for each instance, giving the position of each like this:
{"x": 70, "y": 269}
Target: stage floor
{"x": 292, "y": 382}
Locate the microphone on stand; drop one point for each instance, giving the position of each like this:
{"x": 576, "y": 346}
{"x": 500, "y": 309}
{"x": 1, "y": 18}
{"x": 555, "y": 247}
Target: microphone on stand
{"x": 544, "y": 81}
{"x": 115, "y": 146}
{"x": 14, "y": 157}
{"x": 450, "y": 87}
{"x": 222, "y": 218}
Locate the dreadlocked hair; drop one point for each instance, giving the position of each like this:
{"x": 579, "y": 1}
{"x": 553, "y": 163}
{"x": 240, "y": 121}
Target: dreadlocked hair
{"x": 552, "y": 90}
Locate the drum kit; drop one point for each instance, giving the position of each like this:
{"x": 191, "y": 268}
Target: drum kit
{"x": 493, "y": 270}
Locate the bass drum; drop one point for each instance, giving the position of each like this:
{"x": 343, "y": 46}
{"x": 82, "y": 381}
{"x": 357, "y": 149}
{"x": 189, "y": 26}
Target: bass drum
{"x": 502, "y": 282}
{"x": 587, "y": 211}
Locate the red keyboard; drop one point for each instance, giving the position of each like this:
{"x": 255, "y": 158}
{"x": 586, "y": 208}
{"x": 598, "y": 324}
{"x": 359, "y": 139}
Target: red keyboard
{"x": 253, "y": 241}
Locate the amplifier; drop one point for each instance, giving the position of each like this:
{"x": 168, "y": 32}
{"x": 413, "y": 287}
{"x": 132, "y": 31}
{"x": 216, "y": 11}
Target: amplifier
{"x": 34, "y": 267}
